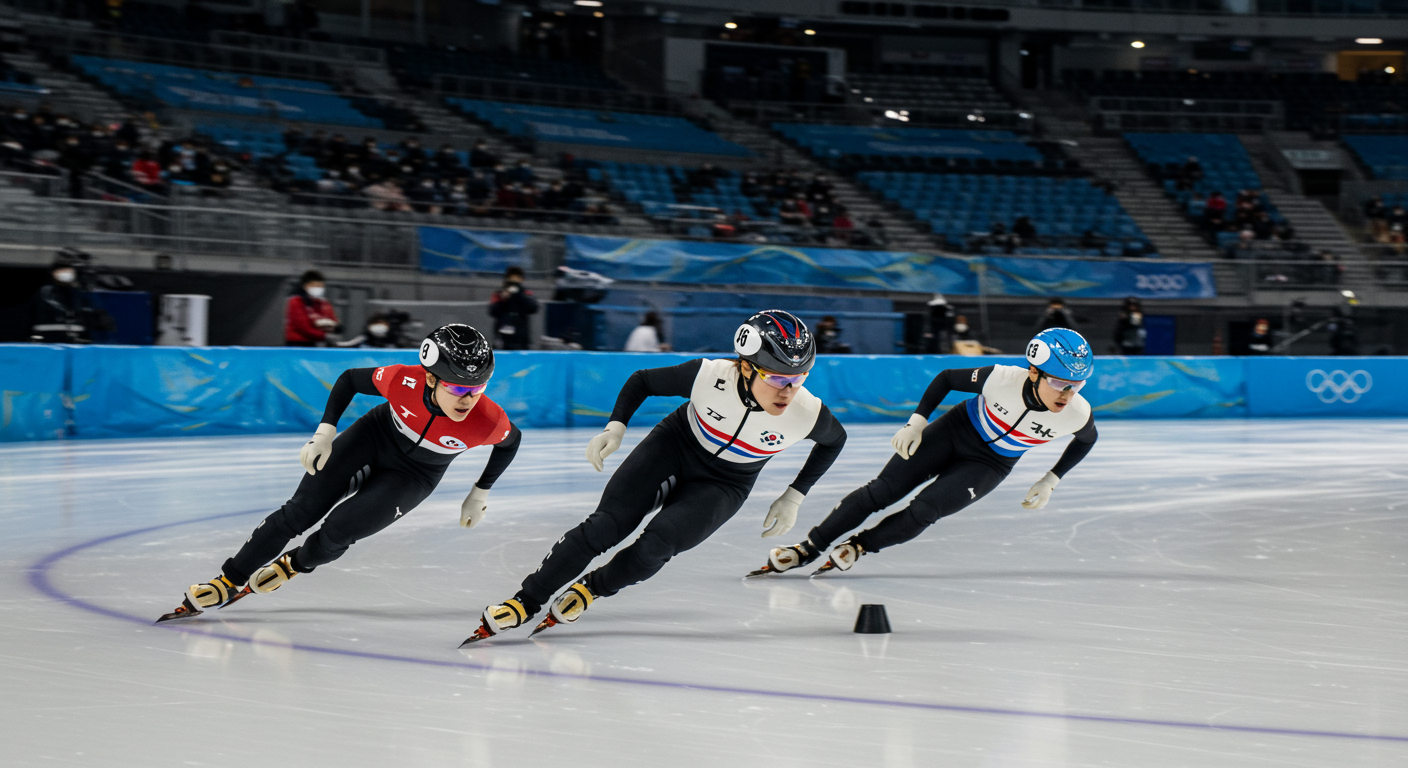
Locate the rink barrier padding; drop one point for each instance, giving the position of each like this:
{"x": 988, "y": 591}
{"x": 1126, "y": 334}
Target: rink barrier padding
{"x": 54, "y": 391}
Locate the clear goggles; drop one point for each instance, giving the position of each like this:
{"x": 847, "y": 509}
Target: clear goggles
{"x": 459, "y": 390}
{"x": 1062, "y": 385}
{"x": 781, "y": 381}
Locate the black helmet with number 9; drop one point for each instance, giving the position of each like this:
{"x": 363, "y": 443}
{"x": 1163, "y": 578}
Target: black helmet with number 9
{"x": 776, "y": 341}
{"x": 458, "y": 354}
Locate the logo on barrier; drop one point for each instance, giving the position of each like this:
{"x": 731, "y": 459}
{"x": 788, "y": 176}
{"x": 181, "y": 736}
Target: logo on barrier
{"x": 1160, "y": 282}
{"x": 1338, "y": 386}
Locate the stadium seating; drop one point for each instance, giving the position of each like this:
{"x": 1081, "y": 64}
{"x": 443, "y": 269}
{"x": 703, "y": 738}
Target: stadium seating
{"x": 416, "y": 65}
{"x": 614, "y": 129}
{"x": 653, "y": 188}
{"x": 866, "y": 145}
{"x": 206, "y": 90}
{"x": 1226, "y": 165}
{"x": 957, "y": 205}
{"x": 1385, "y": 156}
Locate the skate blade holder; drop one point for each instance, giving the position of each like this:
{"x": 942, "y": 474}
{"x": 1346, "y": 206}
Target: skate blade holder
{"x": 872, "y": 620}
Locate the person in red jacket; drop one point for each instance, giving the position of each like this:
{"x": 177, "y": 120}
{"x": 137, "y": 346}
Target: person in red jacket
{"x": 308, "y": 316}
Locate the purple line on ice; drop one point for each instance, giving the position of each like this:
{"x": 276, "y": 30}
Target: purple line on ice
{"x": 39, "y": 580}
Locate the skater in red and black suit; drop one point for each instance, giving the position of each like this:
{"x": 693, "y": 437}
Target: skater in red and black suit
{"x": 388, "y": 461}
{"x": 697, "y": 467}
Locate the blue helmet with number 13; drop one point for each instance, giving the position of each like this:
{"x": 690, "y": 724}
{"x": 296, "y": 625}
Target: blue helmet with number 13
{"x": 1061, "y": 353}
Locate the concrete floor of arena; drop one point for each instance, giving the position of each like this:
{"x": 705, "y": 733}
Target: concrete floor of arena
{"x": 1198, "y": 593}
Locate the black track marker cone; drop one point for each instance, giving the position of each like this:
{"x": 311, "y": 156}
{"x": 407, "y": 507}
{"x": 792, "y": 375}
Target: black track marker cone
{"x": 872, "y": 620}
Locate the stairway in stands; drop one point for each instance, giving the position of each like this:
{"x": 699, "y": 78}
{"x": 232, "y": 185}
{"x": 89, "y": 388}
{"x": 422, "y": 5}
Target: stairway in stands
{"x": 1111, "y": 159}
{"x": 901, "y": 234}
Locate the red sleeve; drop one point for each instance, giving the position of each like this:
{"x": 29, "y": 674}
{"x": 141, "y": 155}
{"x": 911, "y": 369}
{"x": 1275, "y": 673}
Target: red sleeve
{"x": 383, "y": 378}
{"x": 297, "y": 325}
{"x": 499, "y": 424}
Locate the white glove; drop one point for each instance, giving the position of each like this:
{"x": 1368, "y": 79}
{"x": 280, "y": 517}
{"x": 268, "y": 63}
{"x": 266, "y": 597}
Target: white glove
{"x": 315, "y": 453}
{"x": 605, "y": 444}
{"x": 1041, "y": 492}
{"x": 474, "y": 507}
{"x": 782, "y": 515}
{"x": 906, "y": 441}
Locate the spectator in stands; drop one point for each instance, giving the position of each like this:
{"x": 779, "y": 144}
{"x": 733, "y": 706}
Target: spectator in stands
{"x": 1263, "y": 228}
{"x": 1259, "y": 342}
{"x": 1056, "y": 316}
{"x": 1190, "y": 174}
{"x": 511, "y": 307}
{"x": 1244, "y": 247}
{"x": 1024, "y": 229}
{"x": 1330, "y": 268}
{"x": 1376, "y": 214}
{"x": 1091, "y": 240}
{"x": 842, "y": 227}
{"x": 76, "y": 158}
{"x": 646, "y": 337}
{"x": 376, "y": 333}
{"x": 1215, "y": 211}
{"x": 447, "y": 161}
{"x": 423, "y": 195}
{"x": 481, "y": 157}
{"x": 116, "y": 161}
{"x": 294, "y": 139}
{"x": 386, "y": 196}
{"x": 413, "y": 154}
{"x": 828, "y": 337}
{"x": 1130, "y": 333}
{"x": 308, "y": 316}
{"x": 146, "y": 173}
{"x": 938, "y": 337}
{"x": 701, "y": 178}
{"x": 521, "y": 174}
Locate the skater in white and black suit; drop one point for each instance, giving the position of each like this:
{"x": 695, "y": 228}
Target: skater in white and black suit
{"x": 970, "y": 450}
{"x": 697, "y": 467}
{"x": 387, "y": 462}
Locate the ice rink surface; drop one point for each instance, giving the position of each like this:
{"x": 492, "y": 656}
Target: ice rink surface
{"x": 1198, "y": 593}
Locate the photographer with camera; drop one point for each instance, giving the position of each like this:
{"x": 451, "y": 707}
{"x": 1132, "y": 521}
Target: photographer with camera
{"x": 308, "y": 316}
{"x": 62, "y": 312}
{"x": 511, "y": 306}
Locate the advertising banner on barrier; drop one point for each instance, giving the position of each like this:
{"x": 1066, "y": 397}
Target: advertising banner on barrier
{"x": 443, "y": 249}
{"x": 741, "y": 263}
{"x": 172, "y": 391}
{"x": 1143, "y": 278}
{"x": 1327, "y": 386}
{"x": 32, "y": 385}
{"x": 675, "y": 261}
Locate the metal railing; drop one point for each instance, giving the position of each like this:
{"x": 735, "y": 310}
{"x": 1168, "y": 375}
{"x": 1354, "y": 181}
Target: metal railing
{"x": 547, "y": 94}
{"x": 357, "y": 54}
{"x": 77, "y": 41}
{"x": 1117, "y": 113}
{"x": 890, "y": 114}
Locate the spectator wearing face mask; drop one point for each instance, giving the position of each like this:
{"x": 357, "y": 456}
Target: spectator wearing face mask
{"x": 308, "y": 316}
{"x": 377, "y": 333}
{"x": 60, "y": 312}
{"x": 1130, "y": 333}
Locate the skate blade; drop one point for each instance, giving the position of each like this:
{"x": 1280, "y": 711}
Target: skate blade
{"x": 243, "y": 594}
{"x": 764, "y": 571}
{"x": 183, "y": 611}
{"x": 482, "y": 633}
{"x": 830, "y": 566}
{"x": 544, "y": 624}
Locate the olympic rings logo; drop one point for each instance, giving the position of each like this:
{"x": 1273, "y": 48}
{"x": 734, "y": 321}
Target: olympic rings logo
{"x": 1338, "y": 385}
{"x": 1160, "y": 282}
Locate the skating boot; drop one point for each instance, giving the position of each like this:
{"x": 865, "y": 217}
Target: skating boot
{"x": 502, "y": 617}
{"x": 843, "y": 557}
{"x": 786, "y": 558}
{"x": 568, "y": 607}
{"x": 275, "y": 574}
{"x": 199, "y": 598}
